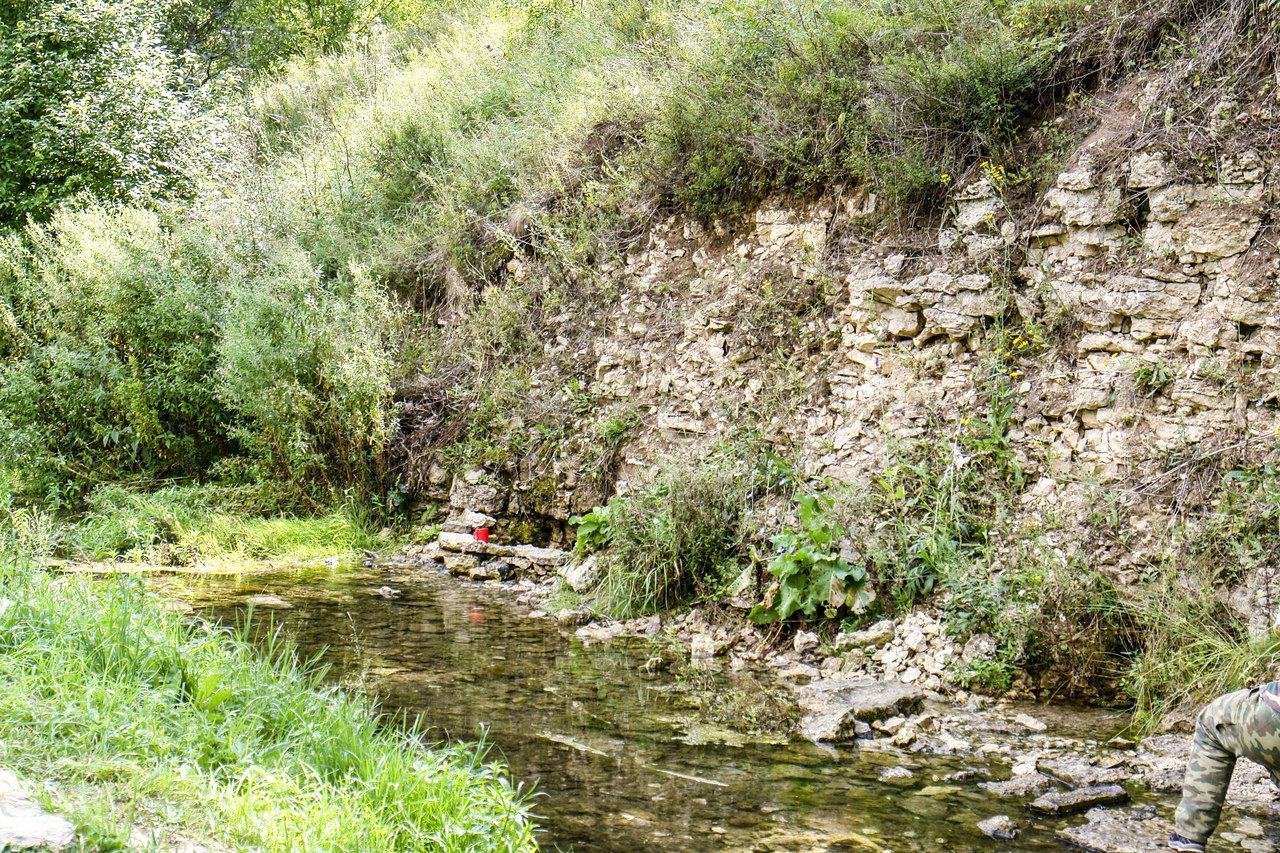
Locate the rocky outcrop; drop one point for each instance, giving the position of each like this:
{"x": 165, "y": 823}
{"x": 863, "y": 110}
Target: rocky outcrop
{"x": 837, "y": 710}
{"x": 1128, "y": 309}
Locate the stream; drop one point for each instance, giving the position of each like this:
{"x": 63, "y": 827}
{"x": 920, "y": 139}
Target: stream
{"x": 615, "y": 756}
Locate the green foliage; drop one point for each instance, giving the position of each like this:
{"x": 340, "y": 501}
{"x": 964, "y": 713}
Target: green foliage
{"x": 307, "y": 365}
{"x": 127, "y": 710}
{"x": 594, "y": 530}
{"x": 681, "y": 536}
{"x": 106, "y": 366}
{"x": 256, "y": 36}
{"x": 937, "y": 499}
{"x": 1152, "y": 377}
{"x": 180, "y": 525}
{"x": 811, "y": 574}
{"x": 1191, "y": 650}
{"x": 91, "y": 102}
{"x": 134, "y": 351}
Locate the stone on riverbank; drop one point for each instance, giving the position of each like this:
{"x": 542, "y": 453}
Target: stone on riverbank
{"x": 833, "y": 706}
{"x": 24, "y": 825}
{"x": 1079, "y": 771}
{"x": 876, "y": 635}
{"x": 582, "y": 575}
{"x": 467, "y": 522}
{"x": 1069, "y": 802}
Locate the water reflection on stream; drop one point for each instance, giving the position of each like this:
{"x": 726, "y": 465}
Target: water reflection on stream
{"x": 618, "y": 762}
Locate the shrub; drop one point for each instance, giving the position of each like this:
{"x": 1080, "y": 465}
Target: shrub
{"x": 107, "y": 363}
{"x": 307, "y": 365}
{"x": 180, "y": 525}
{"x": 683, "y": 535}
{"x": 91, "y": 102}
{"x": 674, "y": 540}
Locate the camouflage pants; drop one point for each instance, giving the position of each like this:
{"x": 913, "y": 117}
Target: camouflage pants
{"x": 1232, "y": 726}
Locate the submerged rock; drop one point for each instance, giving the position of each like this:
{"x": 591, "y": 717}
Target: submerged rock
{"x": 1078, "y": 800}
{"x": 833, "y": 706}
{"x": 1120, "y": 831}
{"x": 1029, "y": 722}
{"x": 896, "y": 773}
{"x": 1021, "y": 785}
{"x": 269, "y": 601}
{"x": 1001, "y": 827}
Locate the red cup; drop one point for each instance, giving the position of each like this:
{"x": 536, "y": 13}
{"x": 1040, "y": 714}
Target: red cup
{"x": 482, "y": 534}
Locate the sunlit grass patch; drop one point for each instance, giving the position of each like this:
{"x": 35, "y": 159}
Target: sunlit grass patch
{"x": 180, "y": 525}
{"x": 129, "y": 717}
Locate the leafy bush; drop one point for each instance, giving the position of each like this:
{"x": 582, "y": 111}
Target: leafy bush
{"x": 684, "y": 534}
{"x": 676, "y": 539}
{"x": 307, "y": 366}
{"x": 810, "y": 571}
{"x": 594, "y": 530}
{"x": 107, "y": 363}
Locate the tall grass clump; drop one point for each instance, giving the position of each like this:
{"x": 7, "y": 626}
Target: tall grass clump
{"x": 680, "y": 537}
{"x": 1191, "y": 651}
{"x": 134, "y": 719}
{"x": 1193, "y": 644}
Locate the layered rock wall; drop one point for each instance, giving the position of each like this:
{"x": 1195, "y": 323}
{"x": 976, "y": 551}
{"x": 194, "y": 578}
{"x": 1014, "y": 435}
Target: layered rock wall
{"x": 1145, "y": 357}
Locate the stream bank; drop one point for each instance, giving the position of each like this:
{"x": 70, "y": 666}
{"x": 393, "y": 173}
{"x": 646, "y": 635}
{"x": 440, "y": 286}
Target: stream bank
{"x": 621, "y": 759}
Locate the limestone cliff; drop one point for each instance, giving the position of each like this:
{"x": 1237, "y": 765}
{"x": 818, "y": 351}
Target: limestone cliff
{"x": 1128, "y": 306}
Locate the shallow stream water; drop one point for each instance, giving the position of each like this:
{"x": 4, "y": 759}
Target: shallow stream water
{"x": 616, "y": 757}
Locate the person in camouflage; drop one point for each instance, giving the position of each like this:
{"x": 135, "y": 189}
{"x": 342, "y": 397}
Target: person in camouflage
{"x": 1241, "y": 724}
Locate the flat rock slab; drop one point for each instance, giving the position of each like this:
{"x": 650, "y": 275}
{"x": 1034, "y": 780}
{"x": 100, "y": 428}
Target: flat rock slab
{"x": 1022, "y": 785}
{"x": 833, "y": 707}
{"x": 1079, "y": 771}
{"x": 465, "y": 543}
{"x": 270, "y": 602}
{"x": 1081, "y": 799}
{"x": 1120, "y": 831}
{"x": 24, "y": 825}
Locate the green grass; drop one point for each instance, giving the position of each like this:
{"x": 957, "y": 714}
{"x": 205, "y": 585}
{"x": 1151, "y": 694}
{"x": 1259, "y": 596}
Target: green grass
{"x": 1192, "y": 652}
{"x": 183, "y": 524}
{"x": 130, "y": 717}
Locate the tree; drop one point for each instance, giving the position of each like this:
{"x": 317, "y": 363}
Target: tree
{"x": 91, "y": 101}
